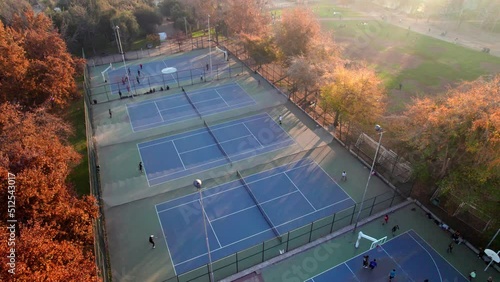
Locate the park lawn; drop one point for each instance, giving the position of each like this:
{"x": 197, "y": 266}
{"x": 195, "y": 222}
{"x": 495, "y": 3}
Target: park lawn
{"x": 423, "y": 64}
{"x": 79, "y": 176}
{"x": 325, "y": 10}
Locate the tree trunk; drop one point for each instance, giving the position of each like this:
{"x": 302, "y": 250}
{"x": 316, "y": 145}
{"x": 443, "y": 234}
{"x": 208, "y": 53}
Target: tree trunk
{"x": 336, "y": 119}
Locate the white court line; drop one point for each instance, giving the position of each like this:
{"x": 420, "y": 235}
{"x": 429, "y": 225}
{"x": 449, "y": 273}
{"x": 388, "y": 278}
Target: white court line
{"x": 199, "y": 148}
{"x": 203, "y": 147}
{"x": 188, "y": 104}
{"x": 210, "y": 223}
{"x": 300, "y": 191}
{"x": 270, "y": 229}
{"x": 355, "y": 277}
{"x": 258, "y": 204}
{"x": 177, "y": 151}
{"x": 235, "y": 242}
{"x": 435, "y": 252}
{"x": 174, "y": 96}
{"x": 284, "y": 223}
{"x": 224, "y": 191}
{"x": 272, "y": 175}
{"x": 143, "y": 164}
{"x": 222, "y": 98}
{"x": 283, "y": 130}
{"x": 174, "y": 79}
{"x": 165, "y": 239}
{"x": 262, "y": 146}
{"x": 193, "y": 201}
{"x": 215, "y": 166}
{"x": 331, "y": 178}
{"x": 158, "y": 109}
{"x": 182, "y": 119}
{"x": 237, "y": 83}
{"x": 191, "y": 135}
{"x": 359, "y": 255}
{"x": 130, "y": 119}
{"x": 236, "y": 212}
{"x": 408, "y": 275}
{"x": 214, "y": 250}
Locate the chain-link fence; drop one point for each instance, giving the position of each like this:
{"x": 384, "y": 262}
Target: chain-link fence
{"x": 105, "y": 92}
{"x": 291, "y": 240}
{"x": 171, "y": 46}
{"x": 100, "y": 241}
{"x": 464, "y": 212}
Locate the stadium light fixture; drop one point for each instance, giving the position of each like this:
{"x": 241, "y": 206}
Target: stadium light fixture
{"x": 120, "y": 49}
{"x": 381, "y": 132}
{"x": 198, "y": 185}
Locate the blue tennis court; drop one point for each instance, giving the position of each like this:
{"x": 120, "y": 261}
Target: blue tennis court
{"x": 173, "y": 108}
{"x": 289, "y": 196}
{"x": 191, "y": 152}
{"x": 408, "y": 253}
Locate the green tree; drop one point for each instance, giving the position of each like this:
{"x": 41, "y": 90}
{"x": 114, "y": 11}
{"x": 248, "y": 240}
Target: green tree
{"x": 148, "y": 19}
{"x": 127, "y": 23}
{"x": 261, "y": 49}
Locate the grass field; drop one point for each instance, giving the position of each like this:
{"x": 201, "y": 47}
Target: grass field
{"x": 79, "y": 176}
{"x": 423, "y": 64}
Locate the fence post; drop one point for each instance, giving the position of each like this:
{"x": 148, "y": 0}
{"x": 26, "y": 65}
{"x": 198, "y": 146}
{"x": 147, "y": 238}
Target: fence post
{"x": 333, "y": 221}
{"x": 310, "y": 231}
{"x": 393, "y": 197}
{"x": 263, "y": 251}
{"x": 373, "y": 204}
{"x": 287, "y": 240}
{"x": 353, "y": 212}
{"x": 237, "y": 268}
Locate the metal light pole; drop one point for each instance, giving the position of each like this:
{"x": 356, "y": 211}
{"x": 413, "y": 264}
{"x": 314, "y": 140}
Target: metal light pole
{"x": 379, "y": 130}
{"x": 197, "y": 183}
{"x": 120, "y": 49}
{"x": 209, "y": 46}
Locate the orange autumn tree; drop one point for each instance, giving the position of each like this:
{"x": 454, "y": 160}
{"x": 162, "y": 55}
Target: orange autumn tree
{"x": 455, "y": 140}
{"x": 247, "y": 17}
{"x": 353, "y": 94}
{"x": 296, "y": 31}
{"x": 35, "y": 66}
{"x": 43, "y": 256}
{"x": 33, "y": 147}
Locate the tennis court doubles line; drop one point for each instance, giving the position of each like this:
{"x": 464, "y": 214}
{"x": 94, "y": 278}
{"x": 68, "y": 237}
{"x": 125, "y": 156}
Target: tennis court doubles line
{"x": 222, "y": 214}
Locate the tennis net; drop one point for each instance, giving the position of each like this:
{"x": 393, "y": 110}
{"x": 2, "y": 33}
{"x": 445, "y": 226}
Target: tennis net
{"x": 217, "y": 141}
{"x": 243, "y": 182}
{"x": 191, "y": 102}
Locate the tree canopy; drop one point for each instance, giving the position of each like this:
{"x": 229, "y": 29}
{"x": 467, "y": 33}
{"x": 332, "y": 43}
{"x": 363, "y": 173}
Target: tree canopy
{"x": 297, "y": 29}
{"x": 54, "y": 232}
{"x": 354, "y": 94}
{"x": 35, "y": 66}
{"x": 54, "y": 226}
{"x": 456, "y": 138}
